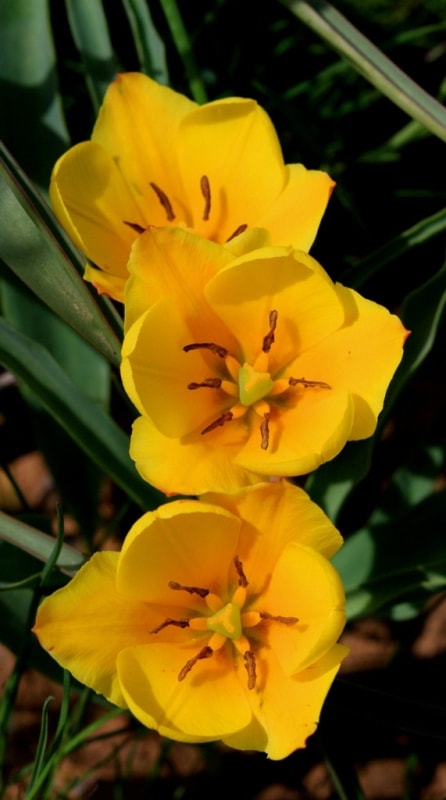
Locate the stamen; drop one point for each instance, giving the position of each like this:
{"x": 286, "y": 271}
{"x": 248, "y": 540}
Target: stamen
{"x": 214, "y": 348}
{"x": 278, "y": 618}
{"x": 134, "y": 226}
{"x": 164, "y": 200}
{"x": 268, "y": 340}
{"x": 218, "y": 423}
{"x": 178, "y": 623}
{"x": 308, "y": 384}
{"x": 191, "y": 589}
{"x": 264, "y": 431}
{"x": 250, "y": 666}
{"x": 211, "y": 383}
{"x": 206, "y": 192}
{"x": 237, "y": 232}
{"x": 242, "y": 579}
{"x": 205, "y": 652}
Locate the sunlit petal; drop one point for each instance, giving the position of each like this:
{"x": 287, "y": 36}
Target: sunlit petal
{"x": 88, "y": 612}
{"x": 209, "y": 703}
{"x": 176, "y": 532}
{"x": 286, "y": 713}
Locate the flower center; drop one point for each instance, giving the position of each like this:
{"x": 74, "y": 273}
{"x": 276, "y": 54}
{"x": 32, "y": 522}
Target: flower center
{"x": 253, "y": 385}
{"x": 223, "y": 622}
{"x": 249, "y": 386}
{"x": 166, "y": 204}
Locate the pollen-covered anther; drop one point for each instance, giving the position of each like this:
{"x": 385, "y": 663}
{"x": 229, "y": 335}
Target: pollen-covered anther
{"x": 308, "y": 384}
{"x": 264, "y": 431}
{"x": 206, "y": 192}
{"x": 278, "y": 618}
{"x": 164, "y": 200}
{"x": 250, "y": 666}
{"x": 134, "y": 226}
{"x": 177, "y": 623}
{"x": 242, "y": 579}
{"x": 178, "y": 587}
{"x": 205, "y": 652}
{"x": 237, "y": 232}
{"x": 269, "y": 339}
{"x": 208, "y": 383}
{"x": 218, "y": 423}
{"x": 217, "y": 349}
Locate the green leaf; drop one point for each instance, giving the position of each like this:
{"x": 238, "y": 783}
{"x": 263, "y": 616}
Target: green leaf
{"x": 387, "y": 562}
{"x": 424, "y": 230}
{"x": 185, "y": 49}
{"x": 35, "y": 248}
{"x": 87, "y": 424}
{"x": 35, "y": 543}
{"x": 148, "y": 43}
{"x": 33, "y": 124}
{"x": 370, "y": 62}
{"x": 89, "y": 27}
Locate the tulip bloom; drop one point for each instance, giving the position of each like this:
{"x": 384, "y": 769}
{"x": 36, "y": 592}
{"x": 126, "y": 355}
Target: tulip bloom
{"x": 157, "y": 158}
{"x": 247, "y": 367}
{"x": 218, "y": 620}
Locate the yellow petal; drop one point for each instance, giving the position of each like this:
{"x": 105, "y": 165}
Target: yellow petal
{"x": 92, "y": 201}
{"x": 275, "y": 514}
{"x": 187, "y": 542}
{"x": 286, "y": 710}
{"x": 190, "y": 466}
{"x": 361, "y": 357}
{"x": 105, "y": 283}
{"x": 227, "y": 140}
{"x": 171, "y": 262}
{"x": 305, "y": 585}
{"x": 157, "y": 372}
{"x": 294, "y": 217}
{"x": 138, "y": 125}
{"x": 302, "y": 436}
{"x": 245, "y": 293}
{"x": 87, "y": 623}
{"x": 208, "y": 704}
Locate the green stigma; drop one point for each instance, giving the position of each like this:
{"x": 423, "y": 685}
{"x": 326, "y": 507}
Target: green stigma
{"x": 226, "y": 621}
{"x": 253, "y": 385}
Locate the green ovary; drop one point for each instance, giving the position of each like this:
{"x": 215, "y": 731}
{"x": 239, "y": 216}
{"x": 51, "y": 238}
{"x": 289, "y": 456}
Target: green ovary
{"x": 226, "y": 621}
{"x": 253, "y": 385}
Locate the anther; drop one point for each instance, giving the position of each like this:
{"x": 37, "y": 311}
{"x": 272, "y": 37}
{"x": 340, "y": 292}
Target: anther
{"x": 214, "y": 348}
{"x": 308, "y": 384}
{"x": 205, "y": 652}
{"x": 164, "y": 200}
{"x": 268, "y": 340}
{"x": 178, "y": 587}
{"x": 250, "y": 666}
{"x": 210, "y": 383}
{"x": 218, "y": 423}
{"x": 134, "y": 226}
{"x": 237, "y": 232}
{"x": 206, "y": 192}
{"x": 177, "y": 623}
{"x": 264, "y": 432}
{"x": 278, "y": 618}
{"x": 242, "y": 579}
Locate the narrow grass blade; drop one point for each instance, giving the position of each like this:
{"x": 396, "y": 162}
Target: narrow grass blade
{"x": 95, "y": 432}
{"x": 89, "y": 27}
{"x": 37, "y": 251}
{"x": 185, "y": 50}
{"x": 39, "y": 544}
{"x": 370, "y": 62}
{"x": 148, "y": 43}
